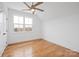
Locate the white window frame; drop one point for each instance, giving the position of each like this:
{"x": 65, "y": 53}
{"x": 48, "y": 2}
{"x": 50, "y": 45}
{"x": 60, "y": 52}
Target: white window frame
{"x": 24, "y": 28}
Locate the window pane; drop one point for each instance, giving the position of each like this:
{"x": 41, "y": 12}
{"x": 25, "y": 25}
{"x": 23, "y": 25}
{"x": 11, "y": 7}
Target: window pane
{"x": 15, "y": 25}
{"x": 15, "y": 19}
{"x": 28, "y": 25}
{"x": 20, "y": 20}
{"x": 18, "y": 23}
{"x": 20, "y": 26}
{"x": 28, "y": 20}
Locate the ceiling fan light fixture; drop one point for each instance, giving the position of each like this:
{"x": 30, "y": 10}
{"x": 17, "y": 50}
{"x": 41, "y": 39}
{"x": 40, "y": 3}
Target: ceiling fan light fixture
{"x": 32, "y": 10}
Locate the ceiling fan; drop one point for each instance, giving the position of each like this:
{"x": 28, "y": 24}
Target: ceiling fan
{"x": 33, "y": 7}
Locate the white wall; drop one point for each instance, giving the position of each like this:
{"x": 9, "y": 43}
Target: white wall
{"x": 62, "y": 25}
{"x": 14, "y": 37}
{"x": 63, "y": 31}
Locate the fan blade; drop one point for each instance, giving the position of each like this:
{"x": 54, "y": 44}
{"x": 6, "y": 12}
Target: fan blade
{"x": 26, "y": 9}
{"x": 39, "y": 9}
{"x": 38, "y": 3}
{"x": 26, "y": 4}
{"x": 32, "y": 3}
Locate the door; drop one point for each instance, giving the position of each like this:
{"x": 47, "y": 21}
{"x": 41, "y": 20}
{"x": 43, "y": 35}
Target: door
{"x": 3, "y": 35}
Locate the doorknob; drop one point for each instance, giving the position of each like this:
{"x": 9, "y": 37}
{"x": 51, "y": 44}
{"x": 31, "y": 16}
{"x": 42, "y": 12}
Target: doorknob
{"x": 4, "y": 33}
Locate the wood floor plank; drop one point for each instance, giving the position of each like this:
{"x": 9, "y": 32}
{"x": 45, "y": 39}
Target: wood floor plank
{"x": 38, "y": 48}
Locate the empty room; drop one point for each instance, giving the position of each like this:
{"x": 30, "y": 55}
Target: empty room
{"x": 39, "y": 29}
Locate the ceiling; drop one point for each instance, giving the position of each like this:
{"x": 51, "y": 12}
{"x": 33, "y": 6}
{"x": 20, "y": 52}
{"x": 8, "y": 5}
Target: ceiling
{"x": 53, "y": 10}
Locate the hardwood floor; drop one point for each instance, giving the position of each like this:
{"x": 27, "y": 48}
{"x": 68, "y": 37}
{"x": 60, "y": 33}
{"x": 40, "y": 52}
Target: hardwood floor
{"x": 38, "y": 48}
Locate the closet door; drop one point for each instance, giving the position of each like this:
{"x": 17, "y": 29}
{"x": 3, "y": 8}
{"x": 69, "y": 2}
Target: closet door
{"x": 3, "y": 35}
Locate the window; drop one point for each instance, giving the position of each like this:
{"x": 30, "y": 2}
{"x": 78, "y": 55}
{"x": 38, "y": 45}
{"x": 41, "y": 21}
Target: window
{"x": 22, "y": 23}
{"x": 28, "y": 24}
{"x": 18, "y": 23}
